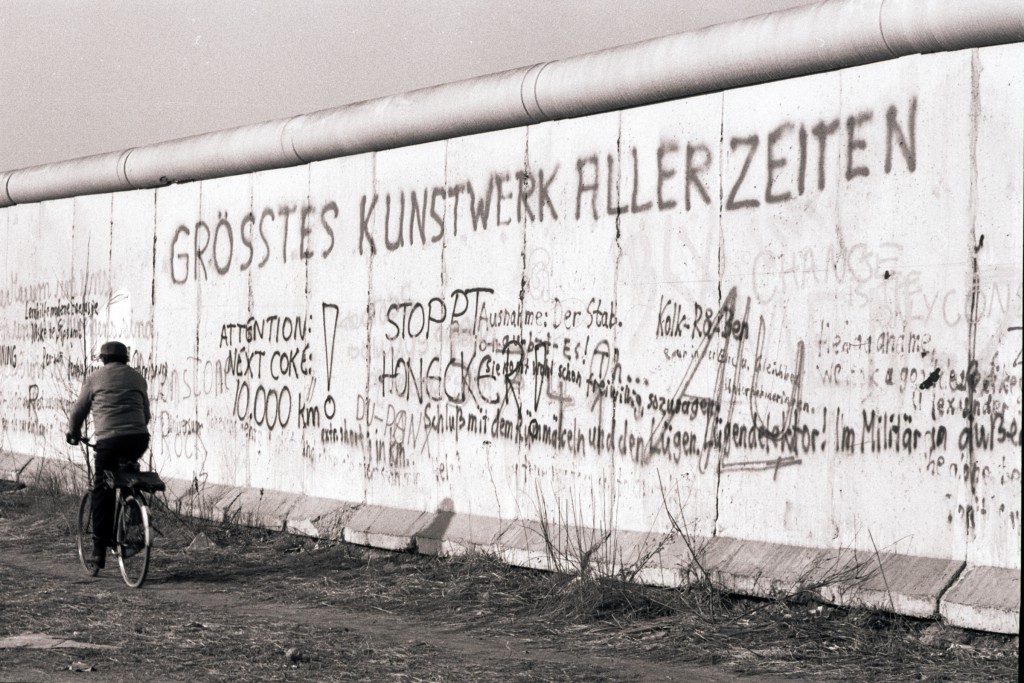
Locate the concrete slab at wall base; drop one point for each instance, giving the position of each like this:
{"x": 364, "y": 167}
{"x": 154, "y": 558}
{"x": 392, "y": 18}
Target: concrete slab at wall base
{"x": 904, "y": 584}
{"x": 27, "y": 469}
{"x": 523, "y": 544}
{"x": 449, "y": 533}
{"x": 384, "y": 527}
{"x": 319, "y": 517}
{"x": 985, "y": 599}
{"x": 303, "y": 515}
{"x": 12, "y": 466}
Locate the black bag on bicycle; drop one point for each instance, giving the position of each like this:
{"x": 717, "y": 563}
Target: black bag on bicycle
{"x": 150, "y": 482}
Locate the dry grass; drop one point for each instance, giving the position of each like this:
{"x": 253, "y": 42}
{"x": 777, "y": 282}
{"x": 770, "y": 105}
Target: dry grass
{"x": 323, "y": 598}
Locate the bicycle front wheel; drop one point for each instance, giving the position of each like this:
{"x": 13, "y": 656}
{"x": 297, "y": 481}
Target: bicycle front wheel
{"x": 133, "y": 540}
{"x": 85, "y": 535}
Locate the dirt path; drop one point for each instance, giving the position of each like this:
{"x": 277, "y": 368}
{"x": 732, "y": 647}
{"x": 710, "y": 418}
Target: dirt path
{"x": 169, "y": 601}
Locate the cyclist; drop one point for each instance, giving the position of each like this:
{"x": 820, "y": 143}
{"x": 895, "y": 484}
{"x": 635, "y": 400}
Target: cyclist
{"x": 118, "y": 397}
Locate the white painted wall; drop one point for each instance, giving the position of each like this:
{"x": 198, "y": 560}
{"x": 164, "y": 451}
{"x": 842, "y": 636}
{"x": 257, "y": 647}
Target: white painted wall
{"x": 855, "y": 232}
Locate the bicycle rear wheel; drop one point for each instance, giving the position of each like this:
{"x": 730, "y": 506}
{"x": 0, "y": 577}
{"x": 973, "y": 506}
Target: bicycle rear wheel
{"x": 85, "y": 535}
{"x": 133, "y": 539}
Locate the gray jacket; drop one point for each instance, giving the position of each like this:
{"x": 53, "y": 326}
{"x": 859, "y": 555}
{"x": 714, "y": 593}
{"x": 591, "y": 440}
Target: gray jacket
{"x": 119, "y": 399}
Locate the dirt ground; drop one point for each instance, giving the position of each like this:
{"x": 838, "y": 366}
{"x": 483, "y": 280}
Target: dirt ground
{"x": 266, "y": 606}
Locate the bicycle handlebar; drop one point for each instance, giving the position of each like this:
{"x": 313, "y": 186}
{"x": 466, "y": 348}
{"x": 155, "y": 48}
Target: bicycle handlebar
{"x": 83, "y": 440}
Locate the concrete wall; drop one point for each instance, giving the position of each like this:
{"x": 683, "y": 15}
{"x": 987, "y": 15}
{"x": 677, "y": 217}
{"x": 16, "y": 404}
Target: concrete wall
{"x": 792, "y": 311}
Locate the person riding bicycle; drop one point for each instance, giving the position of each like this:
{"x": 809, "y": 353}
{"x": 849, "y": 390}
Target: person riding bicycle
{"x": 118, "y": 397}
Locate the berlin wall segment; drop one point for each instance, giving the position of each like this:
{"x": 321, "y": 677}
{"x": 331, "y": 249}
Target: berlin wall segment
{"x": 692, "y": 378}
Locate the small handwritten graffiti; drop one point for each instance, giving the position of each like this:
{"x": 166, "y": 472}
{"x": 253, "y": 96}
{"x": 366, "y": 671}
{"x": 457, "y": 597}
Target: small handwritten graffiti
{"x": 181, "y": 437}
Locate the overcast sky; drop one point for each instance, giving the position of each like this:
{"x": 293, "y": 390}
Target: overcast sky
{"x": 81, "y": 77}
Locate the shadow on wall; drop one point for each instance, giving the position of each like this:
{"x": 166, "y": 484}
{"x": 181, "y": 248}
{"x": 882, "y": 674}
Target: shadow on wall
{"x": 430, "y": 538}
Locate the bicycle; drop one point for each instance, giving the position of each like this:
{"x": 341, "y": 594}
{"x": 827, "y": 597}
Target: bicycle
{"x": 132, "y": 533}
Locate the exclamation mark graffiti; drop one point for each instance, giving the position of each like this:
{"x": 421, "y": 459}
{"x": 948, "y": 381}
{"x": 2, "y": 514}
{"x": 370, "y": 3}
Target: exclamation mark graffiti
{"x": 330, "y": 312}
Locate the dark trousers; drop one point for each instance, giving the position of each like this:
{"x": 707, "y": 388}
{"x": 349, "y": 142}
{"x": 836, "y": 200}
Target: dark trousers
{"x": 110, "y": 453}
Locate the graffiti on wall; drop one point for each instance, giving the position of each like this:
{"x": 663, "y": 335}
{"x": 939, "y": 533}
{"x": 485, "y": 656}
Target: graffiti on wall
{"x": 677, "y": 174}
